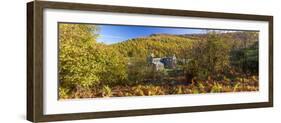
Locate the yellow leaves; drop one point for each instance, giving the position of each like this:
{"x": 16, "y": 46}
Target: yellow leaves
{"x": 83, "y": 62}
{"x": 237, "y": 85}
{"x": 226, "y": 79}
{"x": 106, "y": 91}
{"x": 216, "y": 88}
{"x": 179, "y": 90}
{"x": 147, "y": 90}
{"x": 195, "y": 91}
{"x": 201, "y": 87}
{"x": 63, "y": 93}
{"x": 255, "y": 78}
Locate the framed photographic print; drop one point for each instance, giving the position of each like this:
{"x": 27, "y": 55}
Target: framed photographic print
{"x": 96, "y": 61}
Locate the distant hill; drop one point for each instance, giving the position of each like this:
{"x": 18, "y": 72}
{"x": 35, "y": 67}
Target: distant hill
{"x": 236, "y": 40}
{"x": 168, "y": 44}
{"x": 158, "y": 44}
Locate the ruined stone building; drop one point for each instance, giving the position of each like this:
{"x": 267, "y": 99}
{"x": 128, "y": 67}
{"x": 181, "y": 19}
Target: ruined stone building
{"x": 162, "y": 63}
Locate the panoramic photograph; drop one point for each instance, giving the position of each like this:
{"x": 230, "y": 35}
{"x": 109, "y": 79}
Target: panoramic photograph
{"x": 103, "y": 60}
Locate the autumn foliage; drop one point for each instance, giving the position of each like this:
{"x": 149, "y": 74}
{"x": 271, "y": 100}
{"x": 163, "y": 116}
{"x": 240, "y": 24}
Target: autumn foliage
{"x": 207, "y": 63}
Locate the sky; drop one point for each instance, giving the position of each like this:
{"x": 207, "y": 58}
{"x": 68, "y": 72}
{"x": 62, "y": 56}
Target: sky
{"x": 110, "y": 34}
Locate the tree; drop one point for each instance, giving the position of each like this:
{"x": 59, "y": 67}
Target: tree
{"x": 77, "y": 65}
{"x": 208, "y": 57}
{"x": 85, "y": 63}
{"x": 246, "y": 59}
{"x": 216, "y": 53}
{"x": 113, "y": 65}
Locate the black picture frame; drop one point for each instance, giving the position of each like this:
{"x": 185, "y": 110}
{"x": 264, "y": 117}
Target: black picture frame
{"x": 35, "y": 60}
